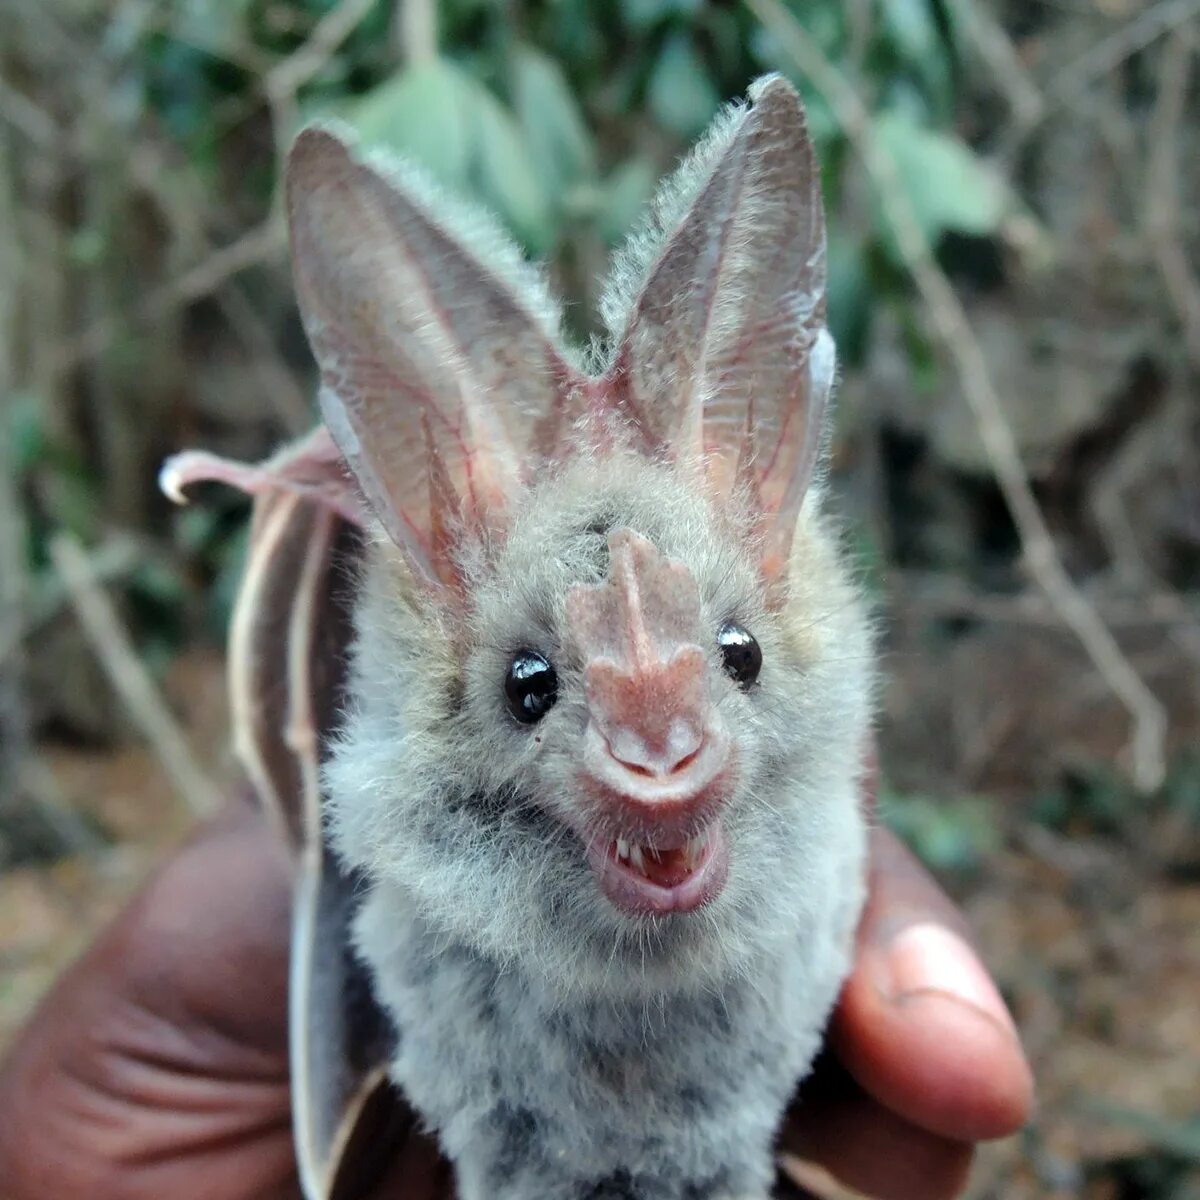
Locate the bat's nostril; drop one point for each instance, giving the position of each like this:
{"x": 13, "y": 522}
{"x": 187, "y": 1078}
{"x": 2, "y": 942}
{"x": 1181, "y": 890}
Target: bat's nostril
{"x": 635, "y": 768}
{"x": 659, "y": 799}
{"x": 675, "y": 753}
{"x": 687, "y": 760}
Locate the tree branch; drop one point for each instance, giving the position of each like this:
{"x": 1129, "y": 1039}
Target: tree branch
{"x": 1162, "y": 187}
{"x": 129, "y": 677}
{"x": 950, "y": 325}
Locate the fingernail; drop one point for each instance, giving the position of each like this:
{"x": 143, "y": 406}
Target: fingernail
{"x": 927, "y": 958}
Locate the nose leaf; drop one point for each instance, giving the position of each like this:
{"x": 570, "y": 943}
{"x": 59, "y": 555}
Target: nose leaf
{"x": 646, "y": 676}
{"x": 653, "y": 717}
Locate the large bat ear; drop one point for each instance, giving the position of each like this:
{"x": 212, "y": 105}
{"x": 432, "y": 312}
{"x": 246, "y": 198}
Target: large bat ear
{"x": 717, "y": 311}
{"x": 438, "y": 346}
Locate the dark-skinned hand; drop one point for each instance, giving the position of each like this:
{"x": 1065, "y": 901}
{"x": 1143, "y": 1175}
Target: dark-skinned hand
{"x": 157, "y": 1067}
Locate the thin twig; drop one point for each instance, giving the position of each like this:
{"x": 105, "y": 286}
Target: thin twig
{"x": 287, "y": 77}
{"x": 1123, "y": 43}
{"x": 418, "y": 31}
{"x": 129, "y": 677}
{"x": 113, "y": 560}
{"x": 38, "y": 784}
{"x": 281, "y": 84}
{"x": 948, "y": 321}
{"x": 938, "y": 595}
{"x": 1162, "y": 187}
{"x": 291, "y": 403}
{"x": 995, "y": 47}
{"x": 26, "y": 117}
{"x": 260, "y": 245}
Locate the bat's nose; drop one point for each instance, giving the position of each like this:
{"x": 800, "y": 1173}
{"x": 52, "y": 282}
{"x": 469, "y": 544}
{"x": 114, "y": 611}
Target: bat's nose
{"x": 659, "y": 793}
{"x": 656, "y": 756}
{"x": 660, "y": 757}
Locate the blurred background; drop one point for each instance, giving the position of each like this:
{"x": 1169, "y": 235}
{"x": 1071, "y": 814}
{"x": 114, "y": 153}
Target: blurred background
{"x": 1015, "y": 290}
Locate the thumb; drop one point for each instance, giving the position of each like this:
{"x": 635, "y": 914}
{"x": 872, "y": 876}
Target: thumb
{"x": 920, "y": 1024}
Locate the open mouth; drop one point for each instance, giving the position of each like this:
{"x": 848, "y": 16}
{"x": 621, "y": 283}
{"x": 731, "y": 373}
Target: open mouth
{"x": 642, "y": 879}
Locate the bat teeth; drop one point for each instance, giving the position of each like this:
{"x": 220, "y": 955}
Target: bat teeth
{"x": 637, "y": 855}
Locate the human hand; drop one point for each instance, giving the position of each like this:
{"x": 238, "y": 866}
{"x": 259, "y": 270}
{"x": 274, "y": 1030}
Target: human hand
{"x": 158, "y": 1064}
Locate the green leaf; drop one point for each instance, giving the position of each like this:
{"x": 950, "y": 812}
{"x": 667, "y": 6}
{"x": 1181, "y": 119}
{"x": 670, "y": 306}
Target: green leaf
{"x": 949, "y": 835}
{"x": 508, "y": 181}
{"x": 823, "y": 21}
{"x": 216, "y": 25}
{"x": 849, "y": 292}
{"x": 424, "y": 113}
{"x": 467, "y": 140}
{"x": 626, "y": 193}
{"x": 910, "y": 24}
{"x": 643, "y": 14}
{"x": 27, "y": 442}
{"x": 87, "y": 246}
{"x": 681, "y": 95}
{"x": 913, "y": 31}
{"x": 948, "y": 186}
{"x": 558, "y": 140}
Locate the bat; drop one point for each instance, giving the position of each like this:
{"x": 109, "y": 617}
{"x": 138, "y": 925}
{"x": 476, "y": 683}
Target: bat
{"x": 550, "y": 667}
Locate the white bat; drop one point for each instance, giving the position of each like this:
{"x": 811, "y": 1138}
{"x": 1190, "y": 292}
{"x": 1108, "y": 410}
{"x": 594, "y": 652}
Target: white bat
{"x": 550, "y": 666}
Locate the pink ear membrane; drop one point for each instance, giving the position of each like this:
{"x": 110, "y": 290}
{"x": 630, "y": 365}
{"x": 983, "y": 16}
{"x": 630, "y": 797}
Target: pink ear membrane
{"x": 656, "y": 754}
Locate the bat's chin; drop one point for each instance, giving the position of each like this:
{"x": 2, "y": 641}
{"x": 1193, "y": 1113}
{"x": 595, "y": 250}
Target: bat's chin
{"x": 643, "y": 880}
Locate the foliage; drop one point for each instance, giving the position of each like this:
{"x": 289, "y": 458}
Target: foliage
{"x": 559, "y": 117}
{"x": 145, "y": 305}
{"x": 954, "y": 835}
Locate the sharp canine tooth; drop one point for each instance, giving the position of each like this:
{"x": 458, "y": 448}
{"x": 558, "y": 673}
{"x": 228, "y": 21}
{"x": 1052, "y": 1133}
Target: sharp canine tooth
{"x": 622, "y": 848}
{"x": 635, "y": 853}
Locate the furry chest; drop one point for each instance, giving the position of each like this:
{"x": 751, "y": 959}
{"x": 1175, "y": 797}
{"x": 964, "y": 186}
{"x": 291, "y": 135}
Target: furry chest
{"x": 554, "y": 1096}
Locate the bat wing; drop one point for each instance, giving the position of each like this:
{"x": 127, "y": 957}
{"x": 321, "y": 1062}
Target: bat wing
{"x": 287, "y": 655}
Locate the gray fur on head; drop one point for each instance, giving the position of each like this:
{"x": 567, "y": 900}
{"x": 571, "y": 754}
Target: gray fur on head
{"x": 563, "y": 1047}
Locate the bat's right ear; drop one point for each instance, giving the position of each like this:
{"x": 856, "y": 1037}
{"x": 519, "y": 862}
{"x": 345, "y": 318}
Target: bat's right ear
{"x": 438, "y": 346}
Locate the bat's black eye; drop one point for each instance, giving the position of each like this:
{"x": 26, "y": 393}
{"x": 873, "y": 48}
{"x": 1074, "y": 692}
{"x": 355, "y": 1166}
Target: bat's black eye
{"x": 531, "y": 686}
{"x": 742, "y": 654}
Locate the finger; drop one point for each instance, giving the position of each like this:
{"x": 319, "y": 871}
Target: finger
{"x": 207, "y": 943}
{"x": 920, "y": 1024}
{"x": 158, "y": 1064}
{"x": 869, "y": 1148}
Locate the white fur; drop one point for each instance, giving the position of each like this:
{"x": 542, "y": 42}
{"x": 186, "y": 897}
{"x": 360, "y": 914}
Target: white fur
{"x": 493, "y": 949}
{"x": 562, "y": 1049}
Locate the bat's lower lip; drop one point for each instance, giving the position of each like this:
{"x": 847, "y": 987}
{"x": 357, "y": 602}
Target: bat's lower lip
{"x": 643, "y": 882}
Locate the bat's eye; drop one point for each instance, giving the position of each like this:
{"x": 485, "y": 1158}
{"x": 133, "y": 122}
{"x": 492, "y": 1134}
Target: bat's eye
{"x": 531, "y": 686}
{"x": 742, "y": 654}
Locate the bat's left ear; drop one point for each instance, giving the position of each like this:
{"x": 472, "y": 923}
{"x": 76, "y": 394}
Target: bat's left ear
{"x": 725, "y": 352}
